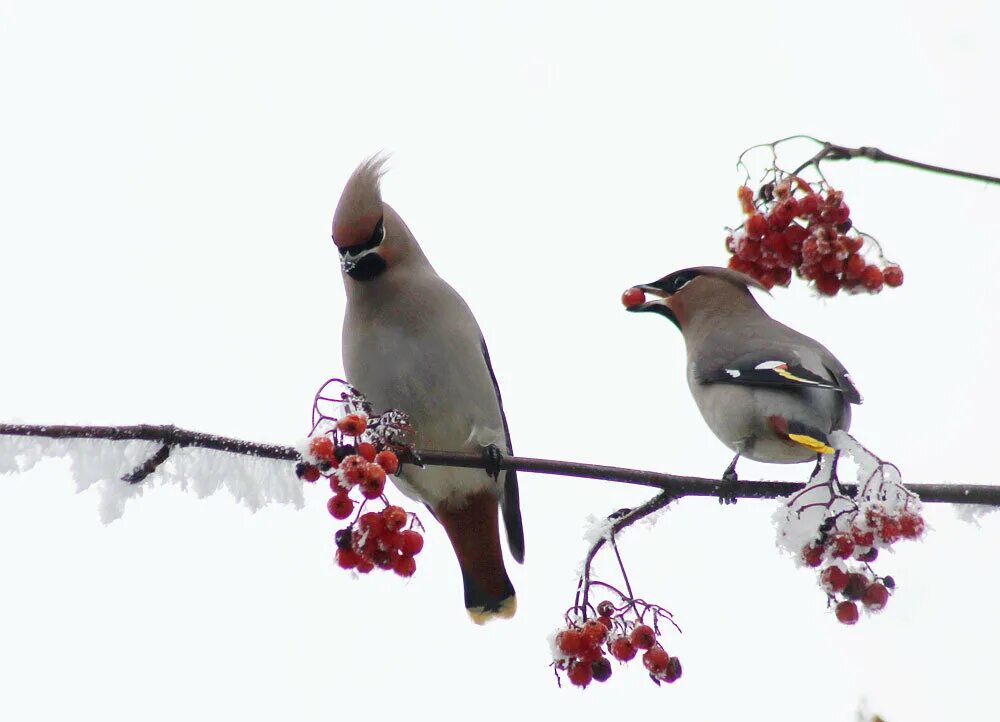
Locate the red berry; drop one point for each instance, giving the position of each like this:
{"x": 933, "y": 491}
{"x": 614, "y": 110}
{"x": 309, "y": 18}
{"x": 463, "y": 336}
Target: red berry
{"x": 738, "y": 264}
{"x": 911, "y": 525}
{"x": 366, "y": 451}
{"x": 834, "y": 579}
{"x": 384, "y": 559}
{"x": 594, "y": 632}
{"x": 390, "y": 541}
{"x": 854, "y": 266}
{"x": 606, "y": 608}
{"x": 347, "y": 558}
{"x": 842, "y": 545}
{"x": 828, "y": 284}
{"x": 809, "y": 205}
{"x": 889, "y": 530}
{"x": 395, "y": 517}
{"x": 373, "y": 483}
{"x": 580, "y": 673}
{"x": 748, "y": 250}
{"x": 862, "y": 538}
{"x": 570, "y": 642}
{"x": 622, "y": 649}
{"x": 875, "y": 597}
{"x": 364, "y": 566}
{"x": 606, "y": 621}
{"x": 643, "y": 637}
{"x": 310, "y": 473}
{"x": 340, "y": 506}
{"x": 373, "y": 523}
{"x": 411, "y": 542}
{"x": 783, "y": 276}
{"x": 832, "y": 264}
{"x": 405, "y": 566}
{"x": 756, "y": 226}
{"x": 847, "y": 612}
{"x": 352, "y": 469}
{"x": 872, "y": 278}
{"x": 353, "y": 424}
{"x": 893, "y": 276}
{"x": 812, "y": 555}
{"x": 656, "y": 660}
{"x": 601, "y": 669}
{"x": 633, "y": 297}
{"x": 322, "y": 448}
{"x": 853, "y": 244}
{"x": 746, "y": 199}
{"x": 388, "y": 461}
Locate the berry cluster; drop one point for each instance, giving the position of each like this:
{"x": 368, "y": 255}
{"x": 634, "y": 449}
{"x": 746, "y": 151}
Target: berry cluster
{"x": 859, "y": 542}
{"x": 794, "y": 225}
{"x": 841, "y": 536}
{"x": 582, "y": 650}
{"x": 351, "y": 453}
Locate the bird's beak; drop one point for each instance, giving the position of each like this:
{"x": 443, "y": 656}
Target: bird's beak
{"x": 657, "y": 305}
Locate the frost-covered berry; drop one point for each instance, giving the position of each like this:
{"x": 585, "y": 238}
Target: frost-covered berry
{"x": 911, "y": 526}
{"x": 847, "y": 612}
{"x": 411, "y": 542}
{"x": 876, "y": 596}
{"x": 673, "y": 671}
{"x": 388, "y": 461}
{"x": 395, "y": 517}
{"x": 812, "y": 555}
{"x": 622, "y": 649}
{"x": 340, "y": 506}
{"x": 364, "y": 566}
{"x": 347, "y": 558}
{"x": 856, "y": 586}
{"x": 580, "y": 673}
{"x": 893, "y": 276}
{"x": 570, "y": 642}
{"x": 353, "y": 424}
{"x": 606, "y": 608}
{"x": 655, "y": 660}
{"x": 405, "y": 566}
{"x": 834, "y": 579}
{"x": 306, "y": 472}
{"x": 594, "y": 632}
{"x": 643, "y": 637}
{"x": 841, "y": 545}
{"x": 321, "y": 447}
{"x": 352, "y": 469}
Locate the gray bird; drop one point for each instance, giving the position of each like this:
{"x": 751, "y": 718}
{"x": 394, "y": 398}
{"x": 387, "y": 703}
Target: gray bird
{"x": 767, "y": 391}
{"x": 410, "y": 342}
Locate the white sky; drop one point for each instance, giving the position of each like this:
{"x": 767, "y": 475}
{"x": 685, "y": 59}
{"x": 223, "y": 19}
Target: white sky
{"x": 168, "y": 175}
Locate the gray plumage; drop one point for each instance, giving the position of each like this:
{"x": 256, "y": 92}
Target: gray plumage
{"x": 410, "y": 342}
{"x": 768, "y": 392}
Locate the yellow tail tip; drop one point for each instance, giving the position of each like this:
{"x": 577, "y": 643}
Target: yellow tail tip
{"x": 506, "y": 610}
{"x": 815, "y": 444}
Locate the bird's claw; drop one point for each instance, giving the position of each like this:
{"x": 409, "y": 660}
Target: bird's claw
{"x": 493, "y": 458}
{"x": 729, "y": 487}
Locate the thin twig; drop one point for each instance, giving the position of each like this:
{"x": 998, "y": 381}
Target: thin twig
{"x": 832, "y": 151}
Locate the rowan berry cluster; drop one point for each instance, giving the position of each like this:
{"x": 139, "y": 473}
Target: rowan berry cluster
{"x": 847, "y": 584}
{"x": 796, "y": 225}
{"x": 844, "y": 535}
{"x": 350, "y": 452}
{"x": 583, "y": 649}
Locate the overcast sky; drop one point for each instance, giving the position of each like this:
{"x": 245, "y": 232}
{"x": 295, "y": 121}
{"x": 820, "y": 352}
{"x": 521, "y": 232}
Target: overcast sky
{"x": 168, "y": 172}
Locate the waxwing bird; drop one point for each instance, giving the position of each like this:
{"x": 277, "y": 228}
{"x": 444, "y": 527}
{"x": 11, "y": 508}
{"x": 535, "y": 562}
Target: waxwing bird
{"x": 410, "y": 342}
{"x": 767, "y": 391}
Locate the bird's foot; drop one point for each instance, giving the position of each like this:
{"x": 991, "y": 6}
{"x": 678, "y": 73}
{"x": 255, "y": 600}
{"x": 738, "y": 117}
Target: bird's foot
{"x": 729, "y": 488}
{"x": 493, "y": 458}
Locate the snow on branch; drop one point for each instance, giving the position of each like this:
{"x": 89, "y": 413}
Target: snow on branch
{"x": 149, "y": 448}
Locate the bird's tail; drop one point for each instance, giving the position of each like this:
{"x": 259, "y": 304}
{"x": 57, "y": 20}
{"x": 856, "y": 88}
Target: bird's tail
{"x": 474, "y": 531}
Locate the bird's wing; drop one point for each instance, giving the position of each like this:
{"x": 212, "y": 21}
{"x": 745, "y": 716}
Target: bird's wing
{"x": 510, "y": 501}
{"x": 766, "y": 369}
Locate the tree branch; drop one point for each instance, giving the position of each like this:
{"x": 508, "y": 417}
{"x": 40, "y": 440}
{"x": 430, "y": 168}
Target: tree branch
{"x": 677, "y": 485}
{"x": 832, "y": 151}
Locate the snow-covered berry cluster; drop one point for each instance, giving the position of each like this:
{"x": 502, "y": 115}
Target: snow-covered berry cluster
{"x": 841, "y": 535}
{"x": 795, "y": 225}
{"x": 582, "y": 649}
{"x": 351, "y": 452}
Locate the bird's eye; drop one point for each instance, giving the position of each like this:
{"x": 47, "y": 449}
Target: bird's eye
{"x": 680, "y": 282}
